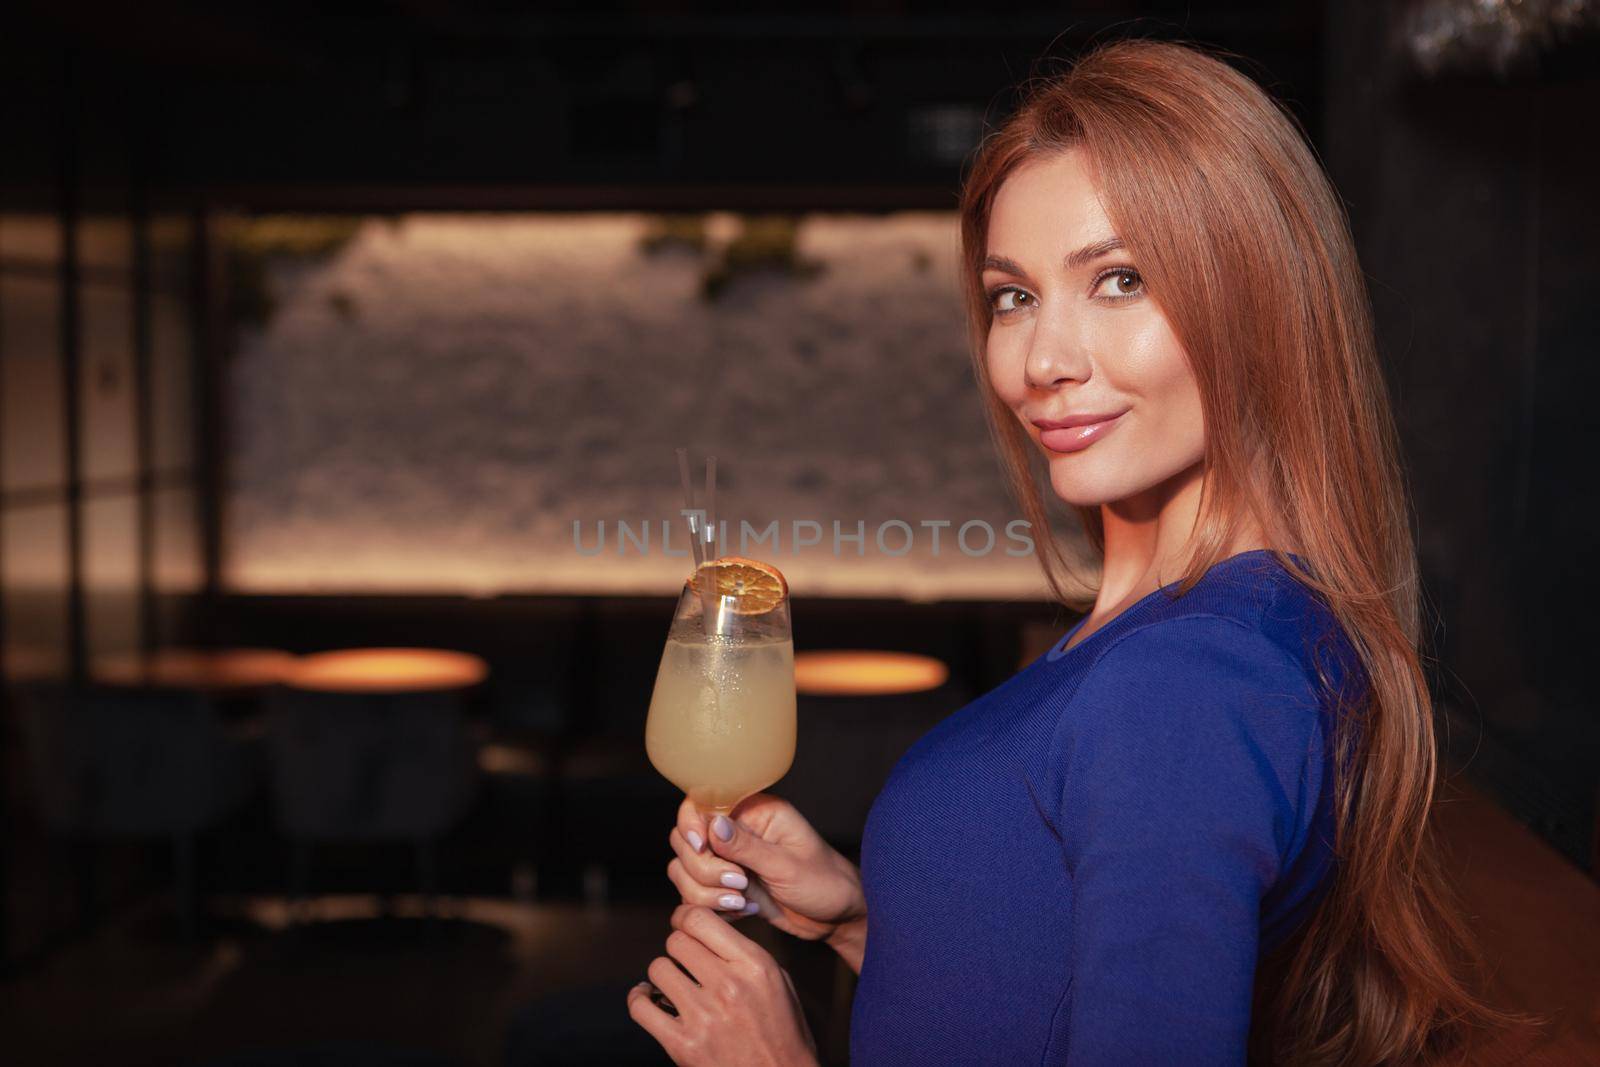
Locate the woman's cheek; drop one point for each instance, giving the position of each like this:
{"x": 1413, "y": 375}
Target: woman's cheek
{"x": 1130, "y": 353}
{"x": 1004, "y": 376}
{"x": 1158, "y": 373}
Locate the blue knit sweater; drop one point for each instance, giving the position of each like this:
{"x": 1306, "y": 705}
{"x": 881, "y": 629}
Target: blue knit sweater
{"x": 1084, "y": 865}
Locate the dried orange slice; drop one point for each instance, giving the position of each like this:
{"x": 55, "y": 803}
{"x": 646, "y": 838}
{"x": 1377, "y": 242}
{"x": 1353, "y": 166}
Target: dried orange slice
{"x": 755, "y": 587}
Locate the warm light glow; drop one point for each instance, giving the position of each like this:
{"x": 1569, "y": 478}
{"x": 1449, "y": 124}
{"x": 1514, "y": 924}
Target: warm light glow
{"x": 380, "y": 569}
{"x": 511, "y": 759}
{"x": 387, "y": 670}
{"x": 195, "y": 668}
{"x": 847, "y": 673}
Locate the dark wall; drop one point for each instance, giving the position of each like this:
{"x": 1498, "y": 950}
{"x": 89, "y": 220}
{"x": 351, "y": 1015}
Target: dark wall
{"x": 862, "y": 103}
{"x": 1472, "y": 197}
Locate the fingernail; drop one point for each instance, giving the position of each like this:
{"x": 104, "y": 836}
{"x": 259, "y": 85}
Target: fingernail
{"x": 735, "y": 880}
{"x": 722, "y": 826}
{"x": 731, "y": 901}
{"x": 751, "y": 908}
{"x": 696, "y": 842}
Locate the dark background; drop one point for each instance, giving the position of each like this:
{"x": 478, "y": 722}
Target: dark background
{"x": 1470, "y": 191}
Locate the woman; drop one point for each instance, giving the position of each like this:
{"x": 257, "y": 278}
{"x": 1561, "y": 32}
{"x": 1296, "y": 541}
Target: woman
{"x": 1196, "y": 830}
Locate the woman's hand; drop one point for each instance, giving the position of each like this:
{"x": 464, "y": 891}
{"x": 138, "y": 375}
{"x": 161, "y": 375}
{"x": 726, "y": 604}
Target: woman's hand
{"x": 736, "y": 1007}
{"x": 768, "y": 856}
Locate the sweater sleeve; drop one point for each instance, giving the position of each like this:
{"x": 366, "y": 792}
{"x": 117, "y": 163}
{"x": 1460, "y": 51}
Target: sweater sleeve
{"x": 1183, "y": 758}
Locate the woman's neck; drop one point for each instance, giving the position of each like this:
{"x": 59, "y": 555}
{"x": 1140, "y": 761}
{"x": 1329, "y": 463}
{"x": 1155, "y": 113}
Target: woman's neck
{"x": 1149, "y": 542}
{"x": 1148, "y": 538}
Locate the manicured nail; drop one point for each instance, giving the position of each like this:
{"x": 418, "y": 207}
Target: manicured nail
{"x": 752, "y": 908}
{"x": 735, "y": 880}
{"x": 696, "y": 842}
{"x": 731, "y": 901}
{"x": 722, "y": 826}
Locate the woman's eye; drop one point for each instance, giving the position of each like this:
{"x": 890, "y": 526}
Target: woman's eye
{"x": 1119, "y": 283}
{"x": 1007, "y": 300}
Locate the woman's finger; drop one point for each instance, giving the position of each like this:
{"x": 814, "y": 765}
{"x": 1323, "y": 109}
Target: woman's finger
{"x": 758, "y": 901}
{"x": 706, "y": 927}
{"x": 692, "y": 825}
{"x": 666, "y": 1029}
{"x": 706, "y": 867}
{"x": 698, "y": 960}
{"x": 679, "y": 987}
{"x": 741, "y": 844}
{"x": 694, "y": 892}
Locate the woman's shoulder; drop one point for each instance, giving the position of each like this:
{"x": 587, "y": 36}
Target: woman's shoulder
{"x": 1212, "y": 692}
{"x": 1249, "y": 642}
{"x": 1247, "y": 616}
{"x": 1198, "y": 657}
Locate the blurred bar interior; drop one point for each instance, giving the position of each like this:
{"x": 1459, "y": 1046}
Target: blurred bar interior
{"x": 341, "y": 363}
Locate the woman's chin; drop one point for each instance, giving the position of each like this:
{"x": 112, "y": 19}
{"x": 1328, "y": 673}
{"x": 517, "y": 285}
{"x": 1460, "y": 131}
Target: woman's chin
{"x": 1083, "y": 488}
{"x": 1091, "y": 482}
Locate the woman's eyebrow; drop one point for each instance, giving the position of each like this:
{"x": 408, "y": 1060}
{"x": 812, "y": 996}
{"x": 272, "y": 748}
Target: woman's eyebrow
{"x": 1002, "y": 263}
{"x": 1075, "y": 260}
{"x": 1089, "y": 253}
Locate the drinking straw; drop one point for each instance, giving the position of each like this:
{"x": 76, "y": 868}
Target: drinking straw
{"x": 699, "y": 544}
{"x": 688, "y": 505}
{"x": 713, "y": 541}
{"x": 710, "y": 601}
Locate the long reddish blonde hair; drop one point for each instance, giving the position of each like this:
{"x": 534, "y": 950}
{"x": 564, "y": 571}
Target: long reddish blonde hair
{"x": 1244, "y": 244}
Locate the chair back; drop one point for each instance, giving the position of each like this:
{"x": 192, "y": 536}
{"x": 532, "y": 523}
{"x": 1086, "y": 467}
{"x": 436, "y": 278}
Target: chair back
{"x": 129, "y": 762}
{"x": 361, "y": 766}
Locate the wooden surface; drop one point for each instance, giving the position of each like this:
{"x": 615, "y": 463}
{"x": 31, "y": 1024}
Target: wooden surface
{"x": 1538, "y": 921}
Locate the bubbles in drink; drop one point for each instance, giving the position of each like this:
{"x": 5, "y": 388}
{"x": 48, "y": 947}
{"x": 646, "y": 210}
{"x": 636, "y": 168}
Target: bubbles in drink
{"x": 722, "y": 718}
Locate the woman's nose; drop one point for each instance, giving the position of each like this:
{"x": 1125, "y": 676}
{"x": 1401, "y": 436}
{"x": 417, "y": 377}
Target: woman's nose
{"x": 1056, "y": 356}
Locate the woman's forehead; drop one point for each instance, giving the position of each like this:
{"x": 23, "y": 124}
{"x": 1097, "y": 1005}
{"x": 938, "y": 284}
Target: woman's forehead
{"x": 1047, "y": 206}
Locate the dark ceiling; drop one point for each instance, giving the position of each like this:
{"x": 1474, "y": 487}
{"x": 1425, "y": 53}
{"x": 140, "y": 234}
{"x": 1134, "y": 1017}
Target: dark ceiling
{"x": 872, "y": 104}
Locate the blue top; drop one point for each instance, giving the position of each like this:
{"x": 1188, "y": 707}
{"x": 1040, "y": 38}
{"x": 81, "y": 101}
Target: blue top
{"x": 1084, "y": 865}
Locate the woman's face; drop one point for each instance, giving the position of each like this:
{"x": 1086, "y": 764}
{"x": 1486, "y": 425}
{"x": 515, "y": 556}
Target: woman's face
{"x": 1078, "y": 350}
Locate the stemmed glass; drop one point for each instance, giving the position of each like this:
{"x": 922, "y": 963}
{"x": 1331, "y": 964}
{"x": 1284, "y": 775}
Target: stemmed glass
{"x": 722, "y": 718}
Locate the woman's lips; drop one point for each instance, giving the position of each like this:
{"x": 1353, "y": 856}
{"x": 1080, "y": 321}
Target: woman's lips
{"x": 1076, "y": 438}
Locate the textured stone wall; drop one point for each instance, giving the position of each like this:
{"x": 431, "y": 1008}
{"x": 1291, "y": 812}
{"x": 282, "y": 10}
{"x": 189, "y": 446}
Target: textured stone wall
{"x": 432, "y": 405}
